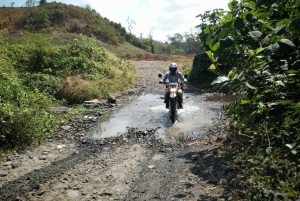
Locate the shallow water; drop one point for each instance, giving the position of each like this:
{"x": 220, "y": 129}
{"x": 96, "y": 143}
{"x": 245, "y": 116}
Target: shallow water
{"x": 148, "y": 111}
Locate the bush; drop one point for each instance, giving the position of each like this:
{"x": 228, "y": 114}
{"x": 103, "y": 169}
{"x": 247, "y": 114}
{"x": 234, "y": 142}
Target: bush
{"x": 24, "y": 114}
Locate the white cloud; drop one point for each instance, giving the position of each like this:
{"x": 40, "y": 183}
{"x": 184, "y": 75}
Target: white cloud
{"x": 165, "y": 17}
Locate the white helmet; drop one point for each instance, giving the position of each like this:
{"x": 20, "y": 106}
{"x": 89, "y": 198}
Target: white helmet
{"x": 173, "y": 68}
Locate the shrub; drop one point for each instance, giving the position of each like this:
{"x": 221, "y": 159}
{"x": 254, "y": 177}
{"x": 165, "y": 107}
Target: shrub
{"x": 24, "y": 114}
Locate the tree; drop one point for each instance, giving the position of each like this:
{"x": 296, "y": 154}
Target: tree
{"x": 130, "y": 23}
{"x": 150, "y": 36}
{"x": 43, "y": 2}
{"x": 30, "y": 3}
{"x": 12, "y": 4}
{"x": 176, "y": 40}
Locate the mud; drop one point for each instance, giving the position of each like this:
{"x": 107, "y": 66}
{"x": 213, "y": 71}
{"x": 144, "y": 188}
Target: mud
{"x": 147, "y": 159}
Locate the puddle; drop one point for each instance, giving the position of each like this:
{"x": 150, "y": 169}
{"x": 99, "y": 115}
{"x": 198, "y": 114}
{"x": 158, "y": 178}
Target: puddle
{"x": 148, "y": 111}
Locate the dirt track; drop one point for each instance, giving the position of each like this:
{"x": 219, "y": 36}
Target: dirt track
{"x": 135, "y": 166}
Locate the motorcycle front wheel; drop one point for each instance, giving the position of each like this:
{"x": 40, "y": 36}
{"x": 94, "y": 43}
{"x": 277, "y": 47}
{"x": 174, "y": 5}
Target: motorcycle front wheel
{"x": 173, "y": 109}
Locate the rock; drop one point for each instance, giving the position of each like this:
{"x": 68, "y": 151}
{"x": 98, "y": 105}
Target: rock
{"x": 7, "y": 163}
{"x": 111, "y": 99}
{"x": 106, "y": 149}
{"x": 42, "y": 158}
{"x": 66, "y": 128}
{"x": 151, "y": 166}
{"x": 94, "y": 179}
{"x": 15, "y": 164}
{"x": 10, "y": 158}
{"x": 72, "y": 194}
{"x": 3, "y": 174}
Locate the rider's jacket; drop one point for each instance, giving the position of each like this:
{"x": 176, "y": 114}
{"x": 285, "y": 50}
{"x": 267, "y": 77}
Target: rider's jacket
{"x": 173, "y": 78}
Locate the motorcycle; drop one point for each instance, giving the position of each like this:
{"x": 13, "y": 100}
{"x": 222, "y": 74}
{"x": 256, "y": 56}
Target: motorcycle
{"x": 175, "y": 90}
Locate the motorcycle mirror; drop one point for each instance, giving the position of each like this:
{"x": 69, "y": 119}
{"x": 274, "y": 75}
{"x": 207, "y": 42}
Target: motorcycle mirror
{"x": 160, "y": 75}
{"x": 185, "y": 76}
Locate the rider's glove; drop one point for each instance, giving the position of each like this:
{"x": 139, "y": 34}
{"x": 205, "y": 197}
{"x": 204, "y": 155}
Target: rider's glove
{"x": 160, "y": 82}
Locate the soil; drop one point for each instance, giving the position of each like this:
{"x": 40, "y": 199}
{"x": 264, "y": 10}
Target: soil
{"x": 137, "y": 165}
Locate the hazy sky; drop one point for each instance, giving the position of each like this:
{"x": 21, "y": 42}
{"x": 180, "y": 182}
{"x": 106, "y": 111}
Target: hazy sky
{"x": 164, "y": 17}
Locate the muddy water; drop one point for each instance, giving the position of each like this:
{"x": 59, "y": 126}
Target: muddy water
{"x": 148, "y": 111}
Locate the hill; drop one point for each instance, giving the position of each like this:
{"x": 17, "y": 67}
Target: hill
{"x": 53, "y": 18}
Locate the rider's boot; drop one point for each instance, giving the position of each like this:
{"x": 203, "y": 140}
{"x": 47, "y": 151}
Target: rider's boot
{"x": 180, "y": 106}
{"x": 167, "y": 105}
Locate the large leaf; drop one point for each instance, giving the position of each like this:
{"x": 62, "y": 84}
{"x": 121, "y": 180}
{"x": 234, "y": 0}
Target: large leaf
{"x": 249, "y": 86}
{"x": 286, "y": 43}
{"x": 233, "y": 5}
{"x": 220, "y": 79}
{"x": 228, "y": 17}
{"x": 226, "y": 42}
{"x": 254, "y": 36}
{"x": 239, "y": 23}
{"x": 265, "y": 24}
{"x": 216, "y": 46}
{"x": 280, "y": 30}
{"x": 210, "y": 55}
{"x": 270, "y": 50}
{"x": 251, "y": 18}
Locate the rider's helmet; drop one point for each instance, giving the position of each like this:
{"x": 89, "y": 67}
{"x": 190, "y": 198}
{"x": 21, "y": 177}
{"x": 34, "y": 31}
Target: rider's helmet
{"x": 173, "y": 68}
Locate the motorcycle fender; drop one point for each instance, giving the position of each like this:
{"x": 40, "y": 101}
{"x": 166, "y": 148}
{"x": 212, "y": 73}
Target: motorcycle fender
{"x": 172, "y": 94}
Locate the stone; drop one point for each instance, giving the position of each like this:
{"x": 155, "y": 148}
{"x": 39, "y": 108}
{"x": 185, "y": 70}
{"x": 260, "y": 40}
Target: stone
{"x": 106, "y": 149}
{"x": 15, "y": 164}
{"x": 7, "y": 163}
{"x": 3, "y": 174}
{"x": 72, "y": 194}
{"x": 111, "y": 99}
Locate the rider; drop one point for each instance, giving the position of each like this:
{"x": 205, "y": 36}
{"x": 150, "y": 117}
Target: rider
{"x": 173, "y": 75}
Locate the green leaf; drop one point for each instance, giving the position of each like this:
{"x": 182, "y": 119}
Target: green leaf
{"x": 212, "y": 67}
{"x": 216, "y": 46}
{"x": 232, "y": 5}
{"x": 265, "y": 24}
{"x": 249, "y": 86}
{"x": 280, "y": 83}
{"x": 258, "y": 50}
{"x": 269, "y": 151}
{"x": 293, "y": 71}
{"x": 244, "y": 102}
{"x": 252, "y": 4}
{"x": 280, "y": 30}
{"x": 294, "y": 152}
{"x": 228, "y": 17}
{"x": 210, "y": 55}
{"x": 231, "y": 74}
{"x": 251, "y": 18}
{"x": 226, "y": 42}
{"x": 289, "y": 146}
{"x": 286, "y": 42}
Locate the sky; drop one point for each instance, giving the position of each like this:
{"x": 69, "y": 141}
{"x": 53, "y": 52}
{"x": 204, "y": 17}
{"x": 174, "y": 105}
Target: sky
{"x": 161, "y": 17}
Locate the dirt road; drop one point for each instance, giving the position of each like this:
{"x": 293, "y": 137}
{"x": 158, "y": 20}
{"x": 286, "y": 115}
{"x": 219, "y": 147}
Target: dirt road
{"x": 144, "y": 163}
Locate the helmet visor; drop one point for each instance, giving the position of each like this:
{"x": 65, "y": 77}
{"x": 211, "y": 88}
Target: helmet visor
{"x": 173, "y": 70}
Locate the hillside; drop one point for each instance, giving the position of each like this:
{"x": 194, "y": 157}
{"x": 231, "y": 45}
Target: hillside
{"x": 54, "y": 18}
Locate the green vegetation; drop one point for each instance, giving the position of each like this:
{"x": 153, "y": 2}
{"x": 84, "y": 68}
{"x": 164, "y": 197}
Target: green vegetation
{"x": 35, "y": 74}
{"x": 254, "y": 49}
{"x": 60, "y": 20}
